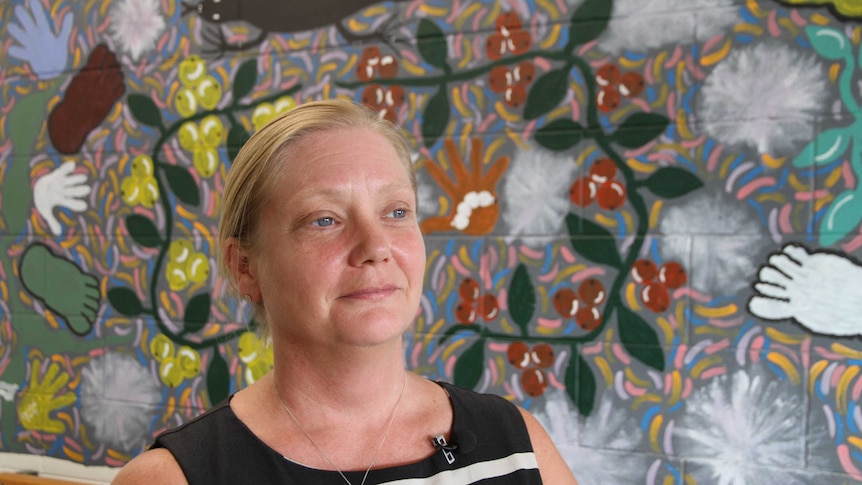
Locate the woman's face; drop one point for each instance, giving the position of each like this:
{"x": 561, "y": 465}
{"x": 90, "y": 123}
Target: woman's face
{"x": 341, "y": 257}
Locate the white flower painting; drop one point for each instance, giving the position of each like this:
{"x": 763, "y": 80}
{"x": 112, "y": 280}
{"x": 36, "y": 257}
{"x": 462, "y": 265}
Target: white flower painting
{"x": 114, "y": 391}
{"x": 772, "y": 112}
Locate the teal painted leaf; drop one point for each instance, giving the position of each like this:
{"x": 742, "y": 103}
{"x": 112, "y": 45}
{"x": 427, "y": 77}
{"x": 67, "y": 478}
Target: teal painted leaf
{"x": 547, "y": 92}
{"x": 560, "y": 134}
{"x": 639, "y": 339}
{"x": 671, "y": 182}
{"x": 143, "y": 231}
{"x": 829, "y": 42}
{"x": 470, "y": 365}
{"x": 125, "y": 301}
{"x": 244, "y": 80}
{"x": 144, "y": 110}
{"x": 842, "y": 217}
{"x": 436, "y": 117}
{"x": 197, "y": 313}
{"x": 522, "y": 298}
{"x": 589, "y": 21}
{"x": 593, "y": 242}
{"x": 639, "y": 129}
{"x": 826, "y": 148}
{"x": 432, "y": 44}
{"x": 580, "y": 383}
{"x": 218, "y": 378}
{"x": 236, "y": 138}
{"x": 182, "y": 184}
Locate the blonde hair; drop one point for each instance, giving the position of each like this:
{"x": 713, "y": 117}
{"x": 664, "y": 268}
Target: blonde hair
{"x": 255, "y": 172}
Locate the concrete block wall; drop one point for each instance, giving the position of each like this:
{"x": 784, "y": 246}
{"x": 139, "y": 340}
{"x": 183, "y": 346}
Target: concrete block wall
{"x": 642, "y": 218}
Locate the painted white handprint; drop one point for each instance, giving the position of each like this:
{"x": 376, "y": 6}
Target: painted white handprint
{"x": 60, "y": 188}
{"x": 36, "y": 42}
{"x": 818, "y": 289}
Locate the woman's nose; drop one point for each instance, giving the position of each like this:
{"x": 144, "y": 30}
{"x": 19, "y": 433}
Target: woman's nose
{"x": 371, "y": 243}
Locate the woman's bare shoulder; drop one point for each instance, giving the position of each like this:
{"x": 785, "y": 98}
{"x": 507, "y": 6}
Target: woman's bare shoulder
{"x": 153, "y": 466}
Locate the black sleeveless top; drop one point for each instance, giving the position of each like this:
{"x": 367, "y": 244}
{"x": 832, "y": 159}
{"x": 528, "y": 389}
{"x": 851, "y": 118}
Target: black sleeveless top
{"x": 493, "y": 447}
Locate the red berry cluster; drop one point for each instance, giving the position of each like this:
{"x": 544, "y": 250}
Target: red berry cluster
{"x": 473, "y": 304}
{"x": 372, "y": 63}
{"x": 512, "y": 83}
{"x": 509, "y": 38}
{"x": 583, "y": 305}
{"x": 613, "y": 84}
{"x": 541, "y": 356}
{"x": 600, "y": 186}
{"x": 383, "y": 100}
{"x": 657, "y": 281}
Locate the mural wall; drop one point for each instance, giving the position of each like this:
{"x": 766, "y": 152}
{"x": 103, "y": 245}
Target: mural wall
{"x": 642, "y": 218}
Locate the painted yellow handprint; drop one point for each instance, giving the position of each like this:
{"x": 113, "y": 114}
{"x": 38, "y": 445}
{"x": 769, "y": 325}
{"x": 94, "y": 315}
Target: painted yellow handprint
{"x": 38, "y": 401}
{"x": 475, "y": 208}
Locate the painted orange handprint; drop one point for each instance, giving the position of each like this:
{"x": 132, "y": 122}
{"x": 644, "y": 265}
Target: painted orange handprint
{"x": 474, "y": 207}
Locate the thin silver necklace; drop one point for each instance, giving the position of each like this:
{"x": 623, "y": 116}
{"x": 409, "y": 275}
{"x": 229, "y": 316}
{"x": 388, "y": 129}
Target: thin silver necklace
{"x": 320, "y": 450}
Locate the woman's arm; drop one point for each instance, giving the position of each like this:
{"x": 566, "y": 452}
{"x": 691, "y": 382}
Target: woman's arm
{"x": 153, "y": 466}
{"x": 552, "y": 467}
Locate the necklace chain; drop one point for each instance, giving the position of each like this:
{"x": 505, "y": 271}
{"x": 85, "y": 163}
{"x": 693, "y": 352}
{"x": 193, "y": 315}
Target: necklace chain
{"x": 320, "y": 450}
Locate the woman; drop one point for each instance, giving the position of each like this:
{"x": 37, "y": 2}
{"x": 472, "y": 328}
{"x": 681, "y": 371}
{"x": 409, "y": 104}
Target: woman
{"x": 319, "y": 231}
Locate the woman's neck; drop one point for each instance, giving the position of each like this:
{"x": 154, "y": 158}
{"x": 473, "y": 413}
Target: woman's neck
{"x": 355, "y": 381}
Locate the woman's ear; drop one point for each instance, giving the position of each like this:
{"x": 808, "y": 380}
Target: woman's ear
{"x": 241, "y": 269}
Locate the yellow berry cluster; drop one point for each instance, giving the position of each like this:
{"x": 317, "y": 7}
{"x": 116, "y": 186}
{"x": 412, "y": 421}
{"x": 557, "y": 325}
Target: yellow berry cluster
{"x": 202, "y": 140}
{"x": 175, "y": 364}
{"x": 140, "y": 187}
{"x": 256, "y": 355}
{"x": 185, "y": 265}
{"x": 197, "y": 88}
{"x": 266, "y": 112}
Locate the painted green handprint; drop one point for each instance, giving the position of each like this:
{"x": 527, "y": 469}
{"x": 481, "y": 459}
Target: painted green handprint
{"x": 845, "y": 212}
{"x": 62, "y": 286}
{"x": 40, "y": 399}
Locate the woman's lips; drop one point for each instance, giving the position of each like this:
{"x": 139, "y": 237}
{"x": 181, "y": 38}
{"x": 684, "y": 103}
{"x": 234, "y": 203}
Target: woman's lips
{"x": 373, "y": 293}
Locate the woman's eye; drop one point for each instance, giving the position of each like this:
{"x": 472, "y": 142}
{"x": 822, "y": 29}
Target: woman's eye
{"x": 323, "y": 222}
{"x": 399, "y": 213}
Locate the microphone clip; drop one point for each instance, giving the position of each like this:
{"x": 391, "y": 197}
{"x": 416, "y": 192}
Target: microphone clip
{"x": 440, "y": 443}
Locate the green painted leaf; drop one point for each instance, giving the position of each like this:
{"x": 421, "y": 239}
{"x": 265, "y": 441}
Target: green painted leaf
{"x": 470, "y": 365}
{"x": 589, "y": 21}
{"x": 143, "y": 231}
{"x": 639, "y": 129}
{"x": 144, "y": 110}
{"x": 671, "y": 182}
{"x": 218, "y": 378}
{"x": 125, "y": 301}
{"x": 432, "y": 44}
{"x": 580, "y": 383}
{"x": 436, "y": 117}
{"x": 560, "y": 134}
{"x": 593, "y": 241}
{"x": 236, "y": 138}
{"x": 197, "y": 313}
{"x": 244, "y": 80}
{"x": 182, "y": 184}
{"x": 521, "y": 299}
{"x": 827, "y": 147}
{"x": 547, "y": 92}
{"x": 639, "y": 339}
{"x": 829, "y": 42}
{"x": 842, "y": 217}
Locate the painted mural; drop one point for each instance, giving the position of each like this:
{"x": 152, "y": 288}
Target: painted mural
{"x": 642, "y": 218}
